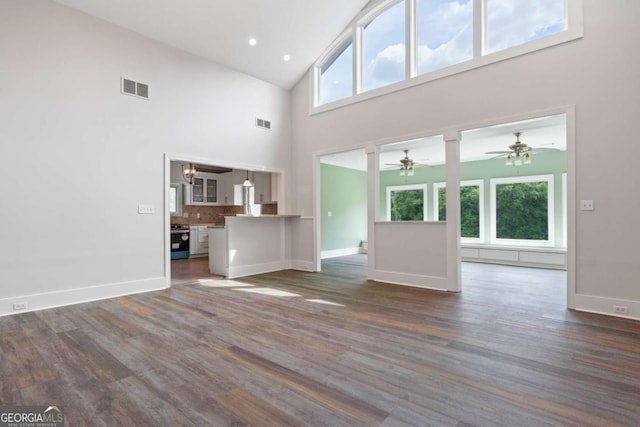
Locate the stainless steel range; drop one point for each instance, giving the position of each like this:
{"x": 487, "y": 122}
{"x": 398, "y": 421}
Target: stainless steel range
{"x": 180, "y": 236}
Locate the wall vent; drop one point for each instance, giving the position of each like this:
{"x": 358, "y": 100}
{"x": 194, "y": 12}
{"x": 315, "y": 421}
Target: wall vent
{"x": 133, "y": 88}
{"x": 262, "y": 123}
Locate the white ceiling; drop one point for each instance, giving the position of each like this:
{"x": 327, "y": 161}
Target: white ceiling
{"x": 544, "y": 132}
{"x": 219, "y": 30}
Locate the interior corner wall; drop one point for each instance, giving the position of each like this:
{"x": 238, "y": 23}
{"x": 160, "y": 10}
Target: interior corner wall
{"x": 78, "y": 156}
{"x": 343, "y": 206}
{"x": 598, "y": 74}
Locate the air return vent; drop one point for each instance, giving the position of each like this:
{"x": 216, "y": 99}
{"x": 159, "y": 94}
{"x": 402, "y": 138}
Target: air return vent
{"x": 133, "y": 88}
{"x": 262, "y": 123}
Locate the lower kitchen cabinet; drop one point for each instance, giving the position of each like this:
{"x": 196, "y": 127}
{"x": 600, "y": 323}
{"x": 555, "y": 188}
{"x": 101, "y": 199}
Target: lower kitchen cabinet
{"x": 199, "y": 240}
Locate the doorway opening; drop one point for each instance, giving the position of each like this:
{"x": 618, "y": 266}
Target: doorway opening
{"x": 194, "y": 205}
{"x": 343, "y": 204}
{"x": 513, "y": 205}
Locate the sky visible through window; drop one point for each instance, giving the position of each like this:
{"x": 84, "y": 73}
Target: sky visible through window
{"x": 514, "y": 22}
{"x": 336, "y": 79}
{"x": 444, "y": 33}
{"x": 384, "y": 48}
{"x": 444, "y": 37}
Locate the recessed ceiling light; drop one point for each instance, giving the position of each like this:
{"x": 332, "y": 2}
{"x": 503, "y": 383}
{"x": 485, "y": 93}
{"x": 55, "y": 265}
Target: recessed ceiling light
{"x": 252, "y": 41}
{"x": 287, "y": 58}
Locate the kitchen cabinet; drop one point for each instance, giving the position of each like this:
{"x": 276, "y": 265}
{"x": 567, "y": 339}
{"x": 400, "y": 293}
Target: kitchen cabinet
{"x": 262, "y": 187}
{"x": 199, "y": 244}
{"x": 203, "y": 191}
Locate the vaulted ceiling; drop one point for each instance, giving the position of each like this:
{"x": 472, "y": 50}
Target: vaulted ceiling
{"x": 219, "y": 30}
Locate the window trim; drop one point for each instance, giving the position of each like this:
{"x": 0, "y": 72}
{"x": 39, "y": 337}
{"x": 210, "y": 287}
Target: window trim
{"x": 425, "y": 200}
{"x": 574, "y": 31}
{"x": 550, "y": 210}
{"x": 467, "y": 183}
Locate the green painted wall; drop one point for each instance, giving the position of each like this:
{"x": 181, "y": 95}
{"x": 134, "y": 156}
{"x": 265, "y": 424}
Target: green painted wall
{"x": 343, "y": 192}
{"x": 543, "y": 164}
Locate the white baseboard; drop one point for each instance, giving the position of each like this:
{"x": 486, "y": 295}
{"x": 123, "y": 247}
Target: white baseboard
{"x": 302, "y": 265}
{"x": 604, "y": 305}
{"x": 79, "y": 295}
{"x": 427, "y": 282}
{"x": 339, "y": 252}
{"x": 249, "y": 270}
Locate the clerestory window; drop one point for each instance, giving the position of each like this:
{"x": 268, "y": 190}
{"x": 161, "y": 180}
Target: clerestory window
{"x": 515, "y": 22}
{"x": 444, "y": 34}
{"x": 415, "y": 41}
{"x": 336, "y": 74}
{"x": 383, "y": 47}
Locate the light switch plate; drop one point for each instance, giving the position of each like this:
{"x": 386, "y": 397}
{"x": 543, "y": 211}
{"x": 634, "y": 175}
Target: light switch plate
{"x": 586, "y": 205}
{"x": 145, "y": 209}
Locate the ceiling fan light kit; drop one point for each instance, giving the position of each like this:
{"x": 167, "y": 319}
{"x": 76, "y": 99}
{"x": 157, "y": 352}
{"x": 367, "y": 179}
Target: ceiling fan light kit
{"x": 520, "y": 153}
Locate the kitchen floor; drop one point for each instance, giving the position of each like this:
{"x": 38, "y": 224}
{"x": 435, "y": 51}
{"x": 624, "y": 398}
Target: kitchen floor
{"x": 188, "y": 270}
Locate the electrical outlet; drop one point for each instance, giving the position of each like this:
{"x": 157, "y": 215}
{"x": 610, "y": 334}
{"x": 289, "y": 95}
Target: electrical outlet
{"x": 198, "y": 215}
{"x": 19, "y": 306}
{"x": 586, "y": 205}
{"x": 145, "y": 209}
{"x": 620, "y": 309}
{"x": 329, "y": 213}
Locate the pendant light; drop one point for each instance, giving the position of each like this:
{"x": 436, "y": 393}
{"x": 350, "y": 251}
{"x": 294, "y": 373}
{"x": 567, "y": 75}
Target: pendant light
{"x": 247, "y": 182}
{"x": 189, "y": 173}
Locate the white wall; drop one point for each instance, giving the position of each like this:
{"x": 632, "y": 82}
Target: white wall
{"x": 598, "y": 74}
{"x": 77, "y": 156}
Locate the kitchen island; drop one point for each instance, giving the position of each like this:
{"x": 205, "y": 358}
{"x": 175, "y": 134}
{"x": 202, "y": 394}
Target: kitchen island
{"x": 249, "y": 245}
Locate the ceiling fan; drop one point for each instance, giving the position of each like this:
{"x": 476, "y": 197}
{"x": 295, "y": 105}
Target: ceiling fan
{"x": 405, "y": 164}
{"x": 519, "y": 153}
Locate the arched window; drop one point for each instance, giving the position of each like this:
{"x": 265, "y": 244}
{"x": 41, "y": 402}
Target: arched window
{"x": 336, "y": 74}
{"x": 415, "y": 41}
{"x": 384, "y": 48}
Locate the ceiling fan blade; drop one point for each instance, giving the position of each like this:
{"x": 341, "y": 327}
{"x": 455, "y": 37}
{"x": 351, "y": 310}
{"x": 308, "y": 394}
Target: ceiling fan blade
{"x": 543, "y": 150}
{"x": 498, "y": 152}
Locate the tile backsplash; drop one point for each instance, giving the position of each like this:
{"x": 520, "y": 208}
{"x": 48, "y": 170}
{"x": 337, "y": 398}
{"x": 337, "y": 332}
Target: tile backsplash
{"x": 215, "y": 214}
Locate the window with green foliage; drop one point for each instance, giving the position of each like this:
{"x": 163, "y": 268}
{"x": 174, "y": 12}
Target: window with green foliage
{"x": 407, "y": 203}
{"x": 471, "y": 208}
{"x": 522, "y": 210}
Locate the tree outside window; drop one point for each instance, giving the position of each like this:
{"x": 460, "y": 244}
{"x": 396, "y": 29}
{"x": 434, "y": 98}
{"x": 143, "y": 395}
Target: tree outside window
{"x": 407, "y": 203}
{"x": 471, "y": 206}
{"x": 522, "y": 210}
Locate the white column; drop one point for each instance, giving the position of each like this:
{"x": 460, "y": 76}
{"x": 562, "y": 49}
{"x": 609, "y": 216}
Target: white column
{"x": 373, "y": 201}
{"x": 452, "y": 147}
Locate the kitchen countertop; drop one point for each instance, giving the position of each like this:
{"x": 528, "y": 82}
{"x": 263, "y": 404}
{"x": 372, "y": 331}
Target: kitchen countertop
{"x": 267, "y": 216}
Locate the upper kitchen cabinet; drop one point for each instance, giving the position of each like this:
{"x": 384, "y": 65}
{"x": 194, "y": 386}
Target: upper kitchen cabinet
{"x": 203, "y": 190}
{"x": 262, "y": 187}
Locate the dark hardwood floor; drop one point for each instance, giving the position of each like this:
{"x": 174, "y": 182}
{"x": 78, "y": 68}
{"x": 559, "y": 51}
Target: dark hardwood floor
{"x": 329, "y": 349}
